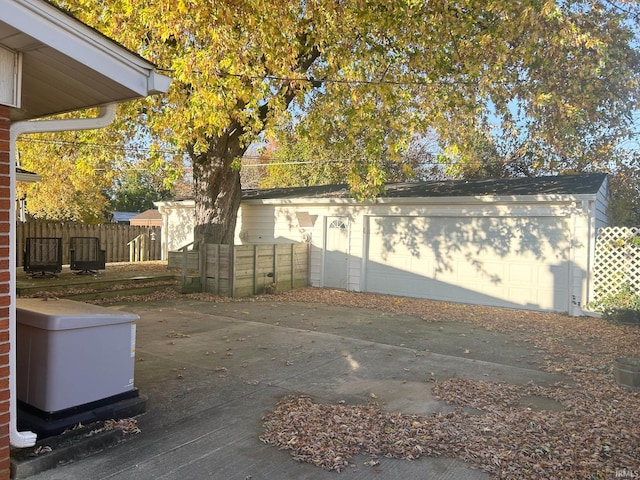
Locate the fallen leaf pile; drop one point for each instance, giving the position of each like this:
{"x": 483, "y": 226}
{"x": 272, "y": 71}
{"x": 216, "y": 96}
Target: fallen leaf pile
{"x": 594, "y": 435}
{"x": 160, "y": 294}
{"x": 504, "y": 440}
{"x": 328, "y": 436}
{"x": 128, "y": 426}
{"x": 594, "y": 432}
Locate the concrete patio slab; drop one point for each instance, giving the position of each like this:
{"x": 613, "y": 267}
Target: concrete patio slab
{"x": 211, "y": 371}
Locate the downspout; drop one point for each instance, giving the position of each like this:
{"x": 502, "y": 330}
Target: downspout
{"x": 105, "y": 117}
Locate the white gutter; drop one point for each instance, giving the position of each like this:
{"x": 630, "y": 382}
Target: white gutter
{"x": 105, "y": 117}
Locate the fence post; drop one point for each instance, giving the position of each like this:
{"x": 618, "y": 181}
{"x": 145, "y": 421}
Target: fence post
{"x": 293, "y": 270}
{"x": 255, "y": 269}
{"x": 275, "y": 264}
{"x": 232, "y": 280}
{"x": 202, "y": 265}
{"x": 142, "y": 247}
{"x": 216, "y": 283}
{"x": 185, "y": 259}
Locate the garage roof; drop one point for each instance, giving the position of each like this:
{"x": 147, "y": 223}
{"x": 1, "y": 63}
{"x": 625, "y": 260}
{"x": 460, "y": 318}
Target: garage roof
{"x": 581, "y": 184}
{"x": 68, "y": 66}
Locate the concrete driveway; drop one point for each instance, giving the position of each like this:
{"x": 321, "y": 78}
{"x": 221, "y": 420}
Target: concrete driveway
{"x": 212, "y": 370}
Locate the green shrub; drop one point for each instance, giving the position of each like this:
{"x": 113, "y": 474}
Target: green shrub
{"x": 622, "y": 306}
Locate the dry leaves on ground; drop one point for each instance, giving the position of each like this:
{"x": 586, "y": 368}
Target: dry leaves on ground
{"x": 594, "y": 435}
{"x": 127, "y": 425}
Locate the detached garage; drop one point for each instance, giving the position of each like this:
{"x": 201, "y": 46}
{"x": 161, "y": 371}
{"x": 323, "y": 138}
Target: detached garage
{"x": 521, "y": 243}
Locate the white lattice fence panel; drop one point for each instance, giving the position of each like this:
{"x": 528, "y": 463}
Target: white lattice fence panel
{"x": 617, "y": 260}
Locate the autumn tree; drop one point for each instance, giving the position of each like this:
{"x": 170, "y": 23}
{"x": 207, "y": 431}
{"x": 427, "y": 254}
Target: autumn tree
{"x": 253, "y": 167}
{"x": 564, "y": 74}
{"x": 421, "y": 158}
{"x": 135, "y": 191}
{"x": 296, "y": 161}
{"x": 624, "y": 183}
{"x": 87, "y": 174}
{"x": 75, "y": 174}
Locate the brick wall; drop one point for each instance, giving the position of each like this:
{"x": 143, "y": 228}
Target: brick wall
{"x": 5, "y": 285}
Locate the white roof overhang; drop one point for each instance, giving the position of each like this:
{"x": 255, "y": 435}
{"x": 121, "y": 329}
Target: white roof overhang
{"x": 457, "y": 200}
{"x": 68, "y": 66}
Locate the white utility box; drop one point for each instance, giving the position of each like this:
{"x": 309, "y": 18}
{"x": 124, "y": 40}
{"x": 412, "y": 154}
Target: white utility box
{"x": 71, "y": 353}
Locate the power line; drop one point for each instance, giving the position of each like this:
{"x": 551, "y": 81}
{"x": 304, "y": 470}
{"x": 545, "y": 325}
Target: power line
{"x": 357, "y": 82}
{"x": 110, "y": 146}
{"x": 295, "y": 162}
{"x": 405, "y": 83}
{"x": 318, "y": 162}
{"x": 268, "y": 161}
{"x": 623, "y": 10}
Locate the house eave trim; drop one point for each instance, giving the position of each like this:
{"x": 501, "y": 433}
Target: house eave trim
{"x": 60, "y": 31}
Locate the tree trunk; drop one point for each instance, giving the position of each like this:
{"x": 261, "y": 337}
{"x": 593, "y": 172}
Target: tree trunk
{"x": 217, "y": 192}
{"x": 217, "y": 183}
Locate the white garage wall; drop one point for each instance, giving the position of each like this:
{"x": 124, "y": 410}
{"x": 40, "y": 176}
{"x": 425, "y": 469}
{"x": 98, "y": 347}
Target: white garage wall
{"x": 600, "y": 208}
{"x": 265, "y": 221}
{"x": 305, "y": 219}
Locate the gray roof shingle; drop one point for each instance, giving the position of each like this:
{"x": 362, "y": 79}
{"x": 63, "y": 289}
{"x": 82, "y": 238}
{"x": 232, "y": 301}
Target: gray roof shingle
{"x": 584, "y": 183}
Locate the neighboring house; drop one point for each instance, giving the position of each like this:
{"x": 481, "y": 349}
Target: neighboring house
{"x": 49, "y": 63}
{"x": 24, "y": 176}
{"x": 521, "y": 242}
{"x": 178, "y": 220}
{"x": 123, "y": 218}
{"x": 148, "y": 218}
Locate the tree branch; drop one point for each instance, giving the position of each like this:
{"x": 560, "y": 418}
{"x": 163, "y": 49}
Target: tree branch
{"x": 288, "y": 90}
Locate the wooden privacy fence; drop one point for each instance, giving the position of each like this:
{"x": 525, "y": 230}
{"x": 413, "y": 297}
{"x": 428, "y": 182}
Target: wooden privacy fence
{"x": 115, "y": 239}
{"x": 243, "y": 270}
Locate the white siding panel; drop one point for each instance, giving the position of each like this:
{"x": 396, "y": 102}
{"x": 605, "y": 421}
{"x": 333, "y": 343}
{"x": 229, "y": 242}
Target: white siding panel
{"x": 182, "y": 223}
{"x": 581, "y": 261}
{"x": 315, "y": 266}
